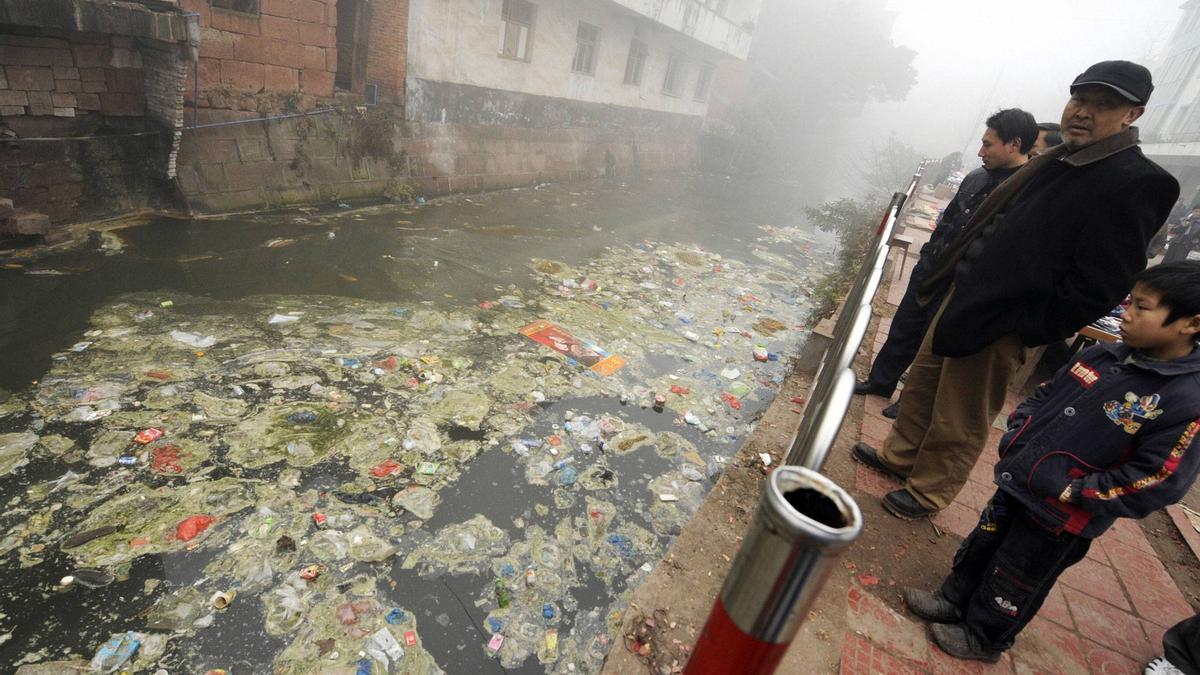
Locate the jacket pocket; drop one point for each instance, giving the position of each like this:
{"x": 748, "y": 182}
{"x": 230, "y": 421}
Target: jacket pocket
{"x": 1051, "y": 474}
{"x": 1011, "y": 436}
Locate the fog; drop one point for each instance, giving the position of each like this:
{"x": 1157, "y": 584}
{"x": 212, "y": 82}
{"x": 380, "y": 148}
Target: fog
{"x": 975, "y": 57}
{"x": 838, "y": 84}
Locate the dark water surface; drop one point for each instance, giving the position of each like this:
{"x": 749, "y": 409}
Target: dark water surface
{"x": 450, "y": 253}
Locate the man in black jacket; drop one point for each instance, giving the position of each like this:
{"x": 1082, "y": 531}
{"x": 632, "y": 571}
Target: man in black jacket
{"x": 1004, "y": 148}
{"x": 1050, "y": 250}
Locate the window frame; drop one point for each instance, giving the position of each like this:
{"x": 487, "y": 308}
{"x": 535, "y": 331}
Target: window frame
{"x": 642, "y": 51}
{"x": 592, "y": 49}
{"x": 705, "y": 75}
{"x": 507, "y": 22}
{"x": 676, "y": 74}
{"x": 257, "y": 11}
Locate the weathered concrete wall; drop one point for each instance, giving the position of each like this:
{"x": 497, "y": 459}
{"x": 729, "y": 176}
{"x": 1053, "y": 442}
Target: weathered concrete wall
{"x": 332, "y": 157}
{"x": 457, "y": 41}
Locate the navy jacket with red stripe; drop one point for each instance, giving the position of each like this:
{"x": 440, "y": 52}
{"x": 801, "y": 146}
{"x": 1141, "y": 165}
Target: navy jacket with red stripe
{"x": 1125, "y": 434}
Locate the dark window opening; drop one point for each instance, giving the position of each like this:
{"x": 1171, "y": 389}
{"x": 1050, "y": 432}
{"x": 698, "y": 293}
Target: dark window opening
{"x": 354, "y": 20}
{"x": 515, "y": 40}
{"x": 636, "y": 62}
{"x": 244, "y": 6}
{"x": 586, "y": 39}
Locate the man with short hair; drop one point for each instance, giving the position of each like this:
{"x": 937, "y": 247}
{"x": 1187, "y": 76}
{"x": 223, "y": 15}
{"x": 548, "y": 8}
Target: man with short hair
{"x": 1051, "y": 249}
{"x": 1048, "y": 136}
{"x": 1003, "y": 149}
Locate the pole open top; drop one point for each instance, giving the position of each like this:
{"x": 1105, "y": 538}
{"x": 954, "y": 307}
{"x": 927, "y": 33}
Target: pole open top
{"x": 804, "y": 505}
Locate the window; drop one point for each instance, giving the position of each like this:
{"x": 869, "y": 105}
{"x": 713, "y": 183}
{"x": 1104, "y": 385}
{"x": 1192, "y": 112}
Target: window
{"x": 704, "y": 81}
{"x": 586, "y": 39}
{"x": 246, "y": 6}
{"x": 636, "y": 62}
{"x": 673, "y": 81}
{"x": 515, "y": 38}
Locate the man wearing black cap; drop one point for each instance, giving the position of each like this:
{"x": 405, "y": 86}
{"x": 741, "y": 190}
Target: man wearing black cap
{"x": 1051, "y": 249}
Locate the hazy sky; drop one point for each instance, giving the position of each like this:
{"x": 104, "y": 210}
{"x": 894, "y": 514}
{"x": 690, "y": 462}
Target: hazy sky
{"x": 974, "y": 57}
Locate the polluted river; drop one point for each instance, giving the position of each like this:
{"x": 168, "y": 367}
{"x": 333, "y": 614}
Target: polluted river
{"x": 448, "y": 437}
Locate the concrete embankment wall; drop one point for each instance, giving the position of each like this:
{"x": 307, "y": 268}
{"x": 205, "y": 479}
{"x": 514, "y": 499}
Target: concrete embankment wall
{"x": 366, "y": 153}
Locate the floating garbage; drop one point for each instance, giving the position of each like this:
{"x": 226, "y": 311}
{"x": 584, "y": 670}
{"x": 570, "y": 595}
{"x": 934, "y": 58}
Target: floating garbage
{"x": 115, "y": 653}
{"x": 339, "y": 444}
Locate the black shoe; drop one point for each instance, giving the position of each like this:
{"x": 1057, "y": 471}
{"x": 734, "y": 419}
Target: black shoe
{"x": 865, "y": 387}
{"x": 892, "y": 411}
{"x": 958, "y": 641}
{"x": 931, "y": 606}
{"x": 904, "y": 506}
{"x": 870, "y": 456}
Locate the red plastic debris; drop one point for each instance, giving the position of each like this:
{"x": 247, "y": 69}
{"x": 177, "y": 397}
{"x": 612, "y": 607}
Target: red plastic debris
{"x": 389, "y": 363}
{"x": 486, "y": 304}
{"x": 387, "y": 467}
{"x": 159, "y": 374}
{"x": 410, "y": 638}
{"x": 146, "y": 436}
{"x": 868, "y": 579}
{"x": 682, "y": 391}
{"x": 797, "y": 399}
{"x": 731, "y": 400}
{"x": 555, "y": 441}
{"x": 192, "y": 526}
{"x": 319, "y": 519}
{"x": 166, "y": 459}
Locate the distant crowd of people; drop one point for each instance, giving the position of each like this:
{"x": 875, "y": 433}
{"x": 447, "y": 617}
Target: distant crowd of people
{"x": 1048, "y": 235}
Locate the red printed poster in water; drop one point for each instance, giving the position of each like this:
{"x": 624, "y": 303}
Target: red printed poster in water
{"x": 557, "y": 338}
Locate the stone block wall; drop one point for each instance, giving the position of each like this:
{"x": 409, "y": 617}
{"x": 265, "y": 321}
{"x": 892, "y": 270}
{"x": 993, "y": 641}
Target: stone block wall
{"x": 287, "y": 49}
{"x": 61, "y": 74}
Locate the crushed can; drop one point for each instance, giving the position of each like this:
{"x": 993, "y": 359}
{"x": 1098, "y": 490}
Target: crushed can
{"x": 147, "y": 436}
{"x": 320, "y": 520}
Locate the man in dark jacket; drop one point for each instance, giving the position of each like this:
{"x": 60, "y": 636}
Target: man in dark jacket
{"x": 1115, "y": 434}
{"x": 1051, "y": 249}
{"x": 1004, "y": 149}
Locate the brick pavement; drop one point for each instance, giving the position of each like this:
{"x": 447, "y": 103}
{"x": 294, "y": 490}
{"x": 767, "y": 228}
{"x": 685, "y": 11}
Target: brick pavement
{"x": 1106, "y": 615}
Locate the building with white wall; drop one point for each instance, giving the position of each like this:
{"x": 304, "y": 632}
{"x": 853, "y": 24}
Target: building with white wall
{"x": 568, "y": 63}
{"x": 1171, "y": 125}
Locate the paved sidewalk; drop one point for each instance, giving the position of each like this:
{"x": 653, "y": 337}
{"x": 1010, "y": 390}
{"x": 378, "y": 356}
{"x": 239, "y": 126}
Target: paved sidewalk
{"x": 1107, "y": 614}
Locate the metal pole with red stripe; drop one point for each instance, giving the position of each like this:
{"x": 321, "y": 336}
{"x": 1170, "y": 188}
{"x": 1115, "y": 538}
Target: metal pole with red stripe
{"x": 802, "y": 524}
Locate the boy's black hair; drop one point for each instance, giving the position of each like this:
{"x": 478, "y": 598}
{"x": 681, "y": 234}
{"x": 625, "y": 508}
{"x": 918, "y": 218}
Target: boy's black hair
{"x": 1178, "y": 285}
{"x": 1013, "y": 123}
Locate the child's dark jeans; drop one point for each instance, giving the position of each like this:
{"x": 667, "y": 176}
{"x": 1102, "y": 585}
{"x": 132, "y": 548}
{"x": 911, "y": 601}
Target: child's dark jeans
{"x": 1005, "y": 569}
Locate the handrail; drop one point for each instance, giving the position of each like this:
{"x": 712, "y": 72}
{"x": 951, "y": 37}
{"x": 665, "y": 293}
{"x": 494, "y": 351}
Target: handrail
{"x": 788, "y": 548}
{"x": 848, "y": 334}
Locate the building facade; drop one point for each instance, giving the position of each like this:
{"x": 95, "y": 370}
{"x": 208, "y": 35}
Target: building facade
{"x": 1171, "y": 125}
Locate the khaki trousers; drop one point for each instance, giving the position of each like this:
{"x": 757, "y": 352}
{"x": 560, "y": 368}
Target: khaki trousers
{"x": 946, "y": 409}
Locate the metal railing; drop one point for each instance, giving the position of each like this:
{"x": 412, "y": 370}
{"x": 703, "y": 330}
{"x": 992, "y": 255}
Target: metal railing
{"x": 829, "y": 397}
{"x": 804, "y": 520}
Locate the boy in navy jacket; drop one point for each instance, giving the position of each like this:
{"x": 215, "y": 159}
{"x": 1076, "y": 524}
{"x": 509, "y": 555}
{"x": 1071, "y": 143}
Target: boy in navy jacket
{"x": 1114, "y": 434}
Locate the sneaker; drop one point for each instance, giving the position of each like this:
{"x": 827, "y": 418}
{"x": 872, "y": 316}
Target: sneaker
{"x": 892, "y": 411}
{"x": 865, "y": 387}
{"x": 870, "y": 456}
{"x": 931, "y": 606}
{"x": 958, "y": 641}
{"x": 1161, "y": 666}
{"x": 903, "y": 505}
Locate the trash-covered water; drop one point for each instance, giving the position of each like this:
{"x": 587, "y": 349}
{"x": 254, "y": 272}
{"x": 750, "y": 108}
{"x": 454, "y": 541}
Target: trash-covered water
{"x": 385, "y": 439}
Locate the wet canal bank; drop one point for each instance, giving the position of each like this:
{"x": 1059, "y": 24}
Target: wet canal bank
{"x": 480, "y": 474}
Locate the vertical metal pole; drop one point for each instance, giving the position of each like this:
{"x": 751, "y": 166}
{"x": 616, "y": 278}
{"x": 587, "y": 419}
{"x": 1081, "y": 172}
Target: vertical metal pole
{"x": 802, "y": 524}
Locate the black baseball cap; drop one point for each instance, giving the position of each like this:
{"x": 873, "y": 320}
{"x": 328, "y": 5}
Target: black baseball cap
{"x": 1128, "y": 79}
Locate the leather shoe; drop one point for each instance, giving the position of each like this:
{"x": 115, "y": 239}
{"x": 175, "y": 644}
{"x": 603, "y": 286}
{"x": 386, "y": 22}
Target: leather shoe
{"x": 958, "y": 641}
{"x": 870, "y": 456}
{"x": 931, "y": 606}
{"x": 903, "y": 505}
{"x": 892, "y": 411}
{"x": 863, "y": 388}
